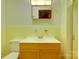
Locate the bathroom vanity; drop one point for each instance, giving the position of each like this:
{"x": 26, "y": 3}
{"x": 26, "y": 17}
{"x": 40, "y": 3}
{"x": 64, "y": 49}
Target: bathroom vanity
{"x": 45, "y": 48}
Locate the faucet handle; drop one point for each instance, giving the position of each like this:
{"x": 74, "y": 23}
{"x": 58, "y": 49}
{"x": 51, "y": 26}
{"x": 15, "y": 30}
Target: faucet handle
{"x": 46, "y": 30}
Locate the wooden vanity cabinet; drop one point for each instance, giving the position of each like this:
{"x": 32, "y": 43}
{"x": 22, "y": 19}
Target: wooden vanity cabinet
{"x": 40, "y": 51}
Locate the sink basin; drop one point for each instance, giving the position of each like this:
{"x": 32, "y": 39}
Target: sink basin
{"x": 40, "y": 39}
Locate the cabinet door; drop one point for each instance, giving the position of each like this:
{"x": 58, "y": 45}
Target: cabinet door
{"x": 49, "y": 55}
{"x": 46, "y": 55}
{"x": 29, "y": 55}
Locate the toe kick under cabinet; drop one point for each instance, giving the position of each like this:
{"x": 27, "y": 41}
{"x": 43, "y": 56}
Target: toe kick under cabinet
{"x": 40, "y": 51}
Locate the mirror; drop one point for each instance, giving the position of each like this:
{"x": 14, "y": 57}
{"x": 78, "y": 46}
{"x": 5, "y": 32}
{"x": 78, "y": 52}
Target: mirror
{"x": 44, "y": 14}
{"x": 41, "y": 11}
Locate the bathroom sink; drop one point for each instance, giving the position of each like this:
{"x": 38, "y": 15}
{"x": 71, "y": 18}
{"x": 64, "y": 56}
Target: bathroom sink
{"x": 40, "y": 39}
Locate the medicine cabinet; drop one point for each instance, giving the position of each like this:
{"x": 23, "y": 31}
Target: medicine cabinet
{"x": 41, "y": 11}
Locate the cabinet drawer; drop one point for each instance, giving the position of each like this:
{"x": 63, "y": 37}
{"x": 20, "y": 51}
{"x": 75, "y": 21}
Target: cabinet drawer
{"x": 50, "y": 46}
{"x": 30, "y": 50}
{"x": 28, "y": 46}
{"x": 25, "y": 46}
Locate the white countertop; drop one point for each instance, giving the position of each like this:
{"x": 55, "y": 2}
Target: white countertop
{"x": 40, "y": 40}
